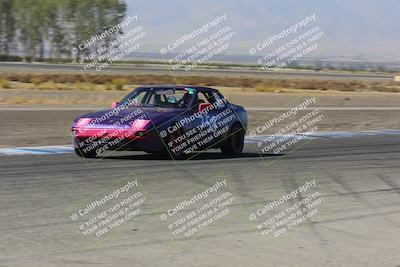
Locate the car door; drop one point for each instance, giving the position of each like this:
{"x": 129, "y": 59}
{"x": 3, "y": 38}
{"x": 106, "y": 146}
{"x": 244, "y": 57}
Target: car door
{"x": 209, "y": 108}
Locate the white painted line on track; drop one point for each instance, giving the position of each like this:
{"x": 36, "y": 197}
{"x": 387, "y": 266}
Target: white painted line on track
{"x": 36, "y": 150}
{"x": 273, "y": 138}
{"x": 51, "y": 150}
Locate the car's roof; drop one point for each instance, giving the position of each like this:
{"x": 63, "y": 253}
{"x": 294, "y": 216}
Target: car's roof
{"x": 175, "y": 86}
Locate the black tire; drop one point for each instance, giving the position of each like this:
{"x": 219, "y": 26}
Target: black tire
{"x": 90, "y": 154}
{"x": 235, "y": 142}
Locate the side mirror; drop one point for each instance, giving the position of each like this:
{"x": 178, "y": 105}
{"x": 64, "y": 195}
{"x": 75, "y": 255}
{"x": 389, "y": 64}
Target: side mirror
{"x": 203, "y": 106}
{"x": 114, "y": 104}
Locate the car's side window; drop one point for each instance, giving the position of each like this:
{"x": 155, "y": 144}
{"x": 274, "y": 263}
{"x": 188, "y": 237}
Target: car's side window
{"x": 134, "y": 98}
{"x": 218, "y": 99}
{"x": 203, "y": 98}
{"x": 139, "y": 98}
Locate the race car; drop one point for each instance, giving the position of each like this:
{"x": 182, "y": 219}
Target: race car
{"x": 171, "y": 119}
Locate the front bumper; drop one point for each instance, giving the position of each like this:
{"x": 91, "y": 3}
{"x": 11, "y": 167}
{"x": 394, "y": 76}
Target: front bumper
{"x": 117, "y": 139}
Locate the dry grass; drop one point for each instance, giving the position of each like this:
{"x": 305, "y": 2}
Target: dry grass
{"x": 121, "y": 82}
{"x": 100, "y": 97}
{"x": 5, "y": 84}
{"x": 35, "y": 80}
{"x": 267, "y": 87}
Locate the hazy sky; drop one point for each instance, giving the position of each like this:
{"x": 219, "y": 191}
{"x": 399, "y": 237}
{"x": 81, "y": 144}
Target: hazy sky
{"x": 351, "y": 27}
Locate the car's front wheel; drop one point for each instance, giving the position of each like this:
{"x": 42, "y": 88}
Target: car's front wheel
{"x": 235, "y": 142}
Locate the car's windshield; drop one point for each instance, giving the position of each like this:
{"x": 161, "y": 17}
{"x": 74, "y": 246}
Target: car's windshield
{"x": 160, "y": 97}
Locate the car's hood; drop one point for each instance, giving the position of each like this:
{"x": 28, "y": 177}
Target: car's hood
{"x": 155, "y": 114}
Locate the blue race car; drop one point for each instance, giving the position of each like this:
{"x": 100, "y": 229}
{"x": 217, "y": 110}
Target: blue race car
{"x": 176, "y": 120}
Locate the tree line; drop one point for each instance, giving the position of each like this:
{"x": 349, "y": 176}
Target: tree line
{"x": 48, "y": 29}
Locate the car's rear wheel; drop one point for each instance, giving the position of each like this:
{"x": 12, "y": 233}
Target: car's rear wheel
{"x": 83, "y": 154}
{"x": 235, "y": 142}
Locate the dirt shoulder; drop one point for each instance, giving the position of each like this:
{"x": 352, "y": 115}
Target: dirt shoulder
{"x": 244, "y": 97}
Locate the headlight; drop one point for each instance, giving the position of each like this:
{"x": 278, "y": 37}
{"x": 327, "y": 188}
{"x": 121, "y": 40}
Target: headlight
{"x": 83, "y": 122}
{"x": 139, "y": 124}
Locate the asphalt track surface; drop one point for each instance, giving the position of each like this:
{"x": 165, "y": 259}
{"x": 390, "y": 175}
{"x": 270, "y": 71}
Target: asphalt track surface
{"x": 131, "y": 69}
{"x": 358, "y": 223}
